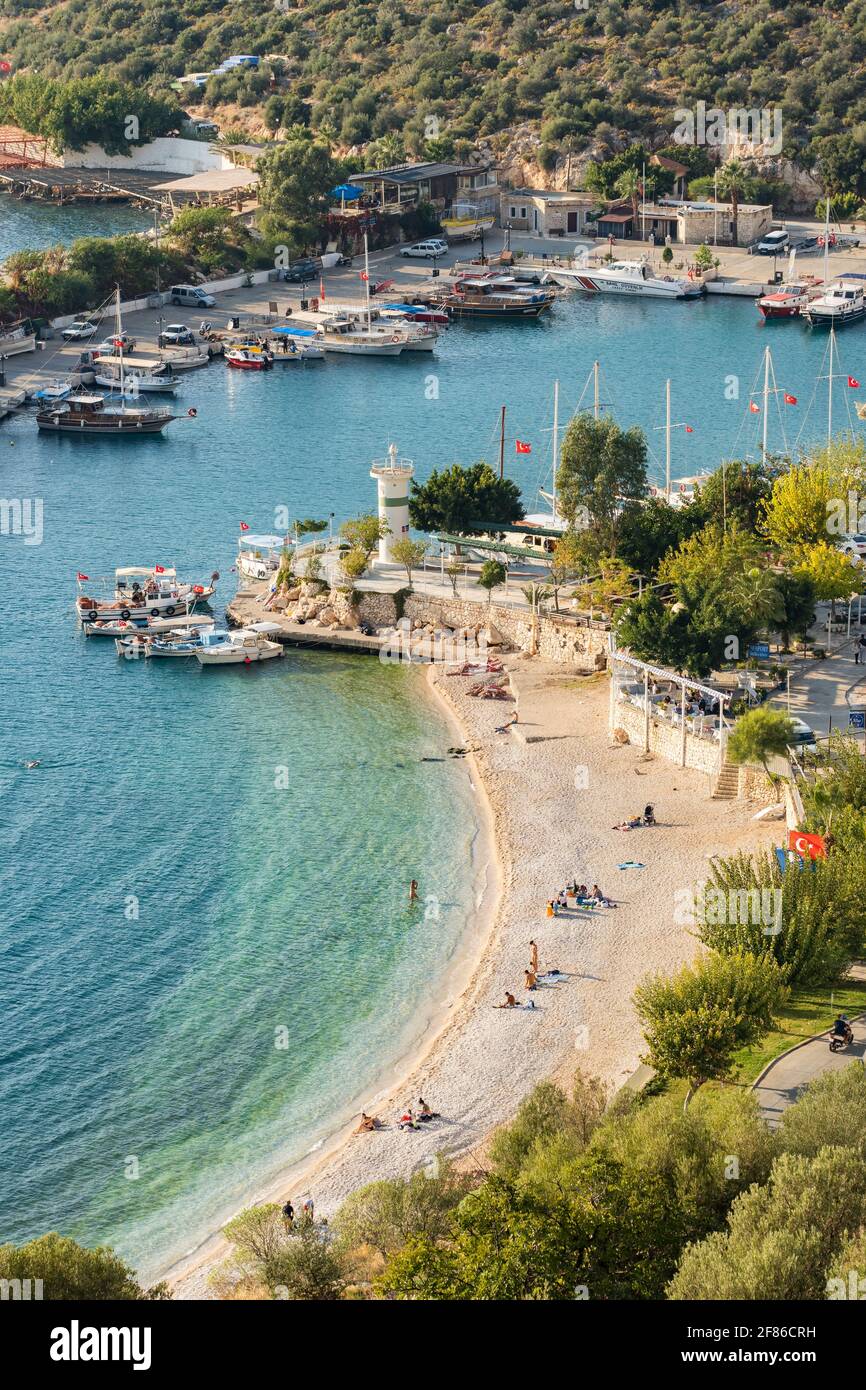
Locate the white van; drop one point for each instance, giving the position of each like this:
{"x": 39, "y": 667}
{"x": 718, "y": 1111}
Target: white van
{"x": 772, "y": 243}
{"x": 192, "y": 296}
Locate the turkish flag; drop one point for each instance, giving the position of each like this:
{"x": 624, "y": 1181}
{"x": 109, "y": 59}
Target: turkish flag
{"x": 522, "y": 448}
{"x": 755, "y": 409}
{"x": 83, "y": 576}
{"x": 321, "y": 288}
{"x": 790, "y": 400}
{"x": 5, "y": 65}
{"x": 364, "y": 275}
{"x": 809, "y": 846}
{"x": 689, "y": 429}
{"x": 159, "y": 569}
{"x": 852, "y": 381}
{"x": 244, "y": 526}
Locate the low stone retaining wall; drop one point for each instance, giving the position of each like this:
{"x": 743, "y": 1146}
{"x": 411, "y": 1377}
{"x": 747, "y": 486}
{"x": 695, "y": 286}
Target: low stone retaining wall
{"x": 701, "y": 753}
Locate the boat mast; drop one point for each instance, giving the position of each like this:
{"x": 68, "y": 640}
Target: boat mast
{"x": 502, "y": 441}
{"x": 668, "y": 440}
{"x": 830, "y": 386}
{"x": 367, "y": 279}
{"x": 766, "y": 401}
{"x": 555, "y": 442}
{"x": 118, "y": 333}
{"x": 826, "y": 237}
{"x": 595, "y": 408}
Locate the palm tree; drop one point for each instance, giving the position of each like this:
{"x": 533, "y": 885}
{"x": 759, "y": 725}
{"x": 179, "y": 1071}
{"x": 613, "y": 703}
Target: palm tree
{"x": 733, "y": 181}
{"x": 629, "y": 185}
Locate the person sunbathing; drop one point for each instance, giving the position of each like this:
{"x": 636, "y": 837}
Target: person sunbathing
{"x": 407, "y": 1120}
{"x": 368, "y": 1123}
{"x": 510, "y": 1002}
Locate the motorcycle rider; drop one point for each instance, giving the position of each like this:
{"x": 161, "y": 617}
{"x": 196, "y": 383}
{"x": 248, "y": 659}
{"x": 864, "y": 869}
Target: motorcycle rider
{"x": 842, "y": 1029}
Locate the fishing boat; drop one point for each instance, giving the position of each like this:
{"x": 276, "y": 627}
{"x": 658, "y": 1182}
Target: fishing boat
{"x": 144, "y": 592}
{"x": 625, "y": 277}
{"x": 844, "y": 301}
{"x": 177, "y": 642}
{"x": 249, "y": 359}
{"x": 135, "y": 374}
{"x": 790, "y": 300}
{"x": 493, "y": 296}
{"x": 239, "y": 648}
{"x": 146, "y": 627}
{"x": 54, "y": 391}
{"x": 19, "y": 337}
{"x": 86, "y": 414}
{"x": 259, "y": 557}
{"x": 295, "y": 351}
{"x": 344, "y": 334}
{"x": 465, "y": 222}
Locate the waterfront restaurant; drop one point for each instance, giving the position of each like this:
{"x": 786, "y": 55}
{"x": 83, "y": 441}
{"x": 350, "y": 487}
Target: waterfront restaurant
{"x": 403, "y": 186}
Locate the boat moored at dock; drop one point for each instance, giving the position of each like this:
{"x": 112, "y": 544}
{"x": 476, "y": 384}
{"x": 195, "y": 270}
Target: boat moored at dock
{"x": 135, "y": 374}
{"x": 625, "y": 277}
{"x": 142, "y": 592}
{"x": 90, "y": 414}
{"x": 239, "y": 648}
{"x": 494, "y": 296}
{"x": 259, "y": 557}
{"x": 790, "y": 300}
{"x": 844, "y": 301}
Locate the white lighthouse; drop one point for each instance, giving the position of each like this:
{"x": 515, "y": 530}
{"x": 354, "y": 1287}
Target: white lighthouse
{"x": 392, "y": 476}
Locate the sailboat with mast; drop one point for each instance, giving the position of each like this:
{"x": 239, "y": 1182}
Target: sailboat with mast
{"x": 843, "y": 301}
{"x": 357, "y": 334}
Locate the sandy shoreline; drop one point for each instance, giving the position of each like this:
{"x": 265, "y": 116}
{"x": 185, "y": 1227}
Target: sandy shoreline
{"x": 546, "y": 809}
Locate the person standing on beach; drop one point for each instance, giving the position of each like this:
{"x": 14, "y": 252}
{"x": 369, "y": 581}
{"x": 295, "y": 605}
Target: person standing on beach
{"x": 533, "y": 957}
{"x": 529, "y": 979}
{"x": 288, "y": 1216}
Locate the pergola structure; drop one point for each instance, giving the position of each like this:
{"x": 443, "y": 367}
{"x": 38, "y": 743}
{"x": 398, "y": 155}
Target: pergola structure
{"x": 21, "y": 150}
{"x": 659, "y": 673}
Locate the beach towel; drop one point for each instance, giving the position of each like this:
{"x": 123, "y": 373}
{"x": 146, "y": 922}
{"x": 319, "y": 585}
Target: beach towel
{"x": 631, "y": 864}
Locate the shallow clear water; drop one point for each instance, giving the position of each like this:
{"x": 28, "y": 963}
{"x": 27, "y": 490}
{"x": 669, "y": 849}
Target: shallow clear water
{"x": 154, "y": 1038}
{"x": 32, "y": 225}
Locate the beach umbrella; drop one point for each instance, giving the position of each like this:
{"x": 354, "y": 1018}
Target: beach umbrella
{"x": 346, "y": 192}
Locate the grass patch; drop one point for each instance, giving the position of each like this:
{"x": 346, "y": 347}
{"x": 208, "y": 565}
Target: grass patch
{"x": 807, "y": 1012}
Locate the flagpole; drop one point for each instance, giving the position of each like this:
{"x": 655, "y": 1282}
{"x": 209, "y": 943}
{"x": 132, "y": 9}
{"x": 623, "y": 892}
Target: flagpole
{"x": 555, "y": 442}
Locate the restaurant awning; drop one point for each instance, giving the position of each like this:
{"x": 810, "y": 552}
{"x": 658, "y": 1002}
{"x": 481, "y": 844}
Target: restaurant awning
{"x": 215, "y": 181}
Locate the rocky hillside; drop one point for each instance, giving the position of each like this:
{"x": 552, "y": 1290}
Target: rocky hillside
{"x": 420, "y": 77}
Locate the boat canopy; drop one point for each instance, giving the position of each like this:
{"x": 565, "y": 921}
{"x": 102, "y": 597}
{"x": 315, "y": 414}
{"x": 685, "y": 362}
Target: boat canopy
{"x": 143, "y": 572}
{"x": 138, "y": 364}
{"x": 296, "y": 332}
{"x": 265, "y": 542}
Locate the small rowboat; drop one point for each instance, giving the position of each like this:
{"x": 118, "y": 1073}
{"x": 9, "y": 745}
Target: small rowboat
{"x": 249, "y": 359}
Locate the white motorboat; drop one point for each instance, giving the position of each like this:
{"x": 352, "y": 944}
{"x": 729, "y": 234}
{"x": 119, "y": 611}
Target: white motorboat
{"x": 239, "y": 648}
{"x": 624, "y": 277}
{"x": 343, "y": 333}
{"x": 53, "y": 391}
{"x": 259, "y": 557}
{"x": 297, "y": 347}
{"x": 135, "y": 374}
{"x": 176, "y": 643}
{"x": 144, "y": 592}
{"x": 18, "y": 338}
{"x": 844, "y": 301}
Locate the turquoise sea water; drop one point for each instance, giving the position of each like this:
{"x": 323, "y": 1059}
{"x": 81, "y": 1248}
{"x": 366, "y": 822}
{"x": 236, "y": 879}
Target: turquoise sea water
{"x": 146, "y": 1043}
{"x": 32, "y": 225}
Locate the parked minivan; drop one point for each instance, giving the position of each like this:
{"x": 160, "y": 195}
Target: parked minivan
{"x": 191, "y": 295}
{"x": 773, "y": 242}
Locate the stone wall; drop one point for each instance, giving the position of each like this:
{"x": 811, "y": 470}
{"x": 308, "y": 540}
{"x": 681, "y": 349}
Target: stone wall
{"x": 701, "y": 753}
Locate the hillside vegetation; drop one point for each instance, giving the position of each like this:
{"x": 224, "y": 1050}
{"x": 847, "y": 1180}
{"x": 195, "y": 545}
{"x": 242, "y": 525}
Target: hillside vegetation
{"x": 362, "y": 70}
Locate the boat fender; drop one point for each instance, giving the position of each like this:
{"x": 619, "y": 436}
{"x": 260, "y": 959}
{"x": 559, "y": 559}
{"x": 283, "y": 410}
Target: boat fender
{"x": 154, "y": 613}
{"x": 192, "y": 412}
{"x": 170, "y": 611}
{"x": 246, "y": 661}
{"x": 125, "y": 613}
{"x": 395, "y": 338}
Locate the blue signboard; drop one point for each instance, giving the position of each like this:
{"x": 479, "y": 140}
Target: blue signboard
{"x": 857, "y": 719}
{"x": 760, "y": 650}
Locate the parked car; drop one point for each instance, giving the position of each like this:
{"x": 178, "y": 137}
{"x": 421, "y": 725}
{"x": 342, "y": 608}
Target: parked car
{"x": 191, "y": 295}
{"x": 854, "y": 545}
{"x": 176, "y": 335}
{"x": 803, "y": 735}
{"x": 111, "y": 347}
{"x": 81, "y": 328}
{"x": 773, "y": 243}
{"x": 429, "y": 250}
{"x": 302, "y": 270}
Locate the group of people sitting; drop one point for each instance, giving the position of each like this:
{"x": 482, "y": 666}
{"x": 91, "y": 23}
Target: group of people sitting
{"x": 580, "y": 895}
{"x": 408, "y": 1120}
{"x": 648, "y": 818}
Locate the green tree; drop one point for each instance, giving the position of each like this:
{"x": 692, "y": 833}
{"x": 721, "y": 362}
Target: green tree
{"x": 734, "y": 182}
{"x": 364, "y": 532}
{"x": 761, "y": 734}
{"x": 493, "y": 575}
{"x": 797, "y": 511}
{"x": 386, "y": 1214}
{"x": 456, "y": 499}
{"x": 409, "y": 554}
{"x": 71, "y": 1272}
{"x": 296, "y": 178}
{"x": 783, "y": 1239}
{"x": 601, "y": 467}
{"x": 832, "y": 1106}
{"x": 696, "y": 1020}
{"x": 309, "y": 1268}
{"x": 833, "y": 574}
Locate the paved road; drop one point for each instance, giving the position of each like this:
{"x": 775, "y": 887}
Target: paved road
{"x": 783, "y": 1081}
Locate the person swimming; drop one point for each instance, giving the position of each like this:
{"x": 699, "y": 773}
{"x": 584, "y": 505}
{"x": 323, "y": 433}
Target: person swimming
{"x": 34, "y": 762}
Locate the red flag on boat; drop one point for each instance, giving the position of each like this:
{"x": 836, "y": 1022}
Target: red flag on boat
{"x": 83, "y": 576}
{"x": 754, "y": 407}
{"x": 244, "y": 526}
{"x": 689, "y": 429}
{"x": 852, "y": 381}
{"x": 321, "y": 288}
{"x": 522, "y": 448}
{"x": 159, "y": 569}
{"x": 790, "y": 400}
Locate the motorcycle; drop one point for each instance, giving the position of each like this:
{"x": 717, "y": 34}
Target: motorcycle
{"x": 840, "y": 1040}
